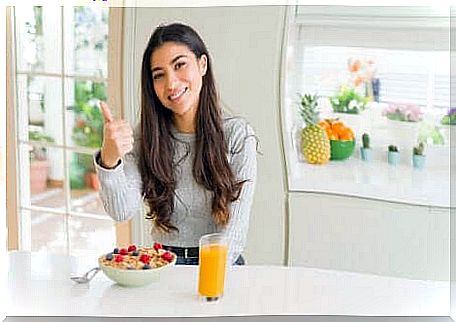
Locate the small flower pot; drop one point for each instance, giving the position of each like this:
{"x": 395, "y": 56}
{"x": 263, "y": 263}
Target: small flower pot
{"x": 92, "y": 181}
{"x": 394, "y": 158}
{"x": 366, "y": 154}
{"x": 419, "y": 161}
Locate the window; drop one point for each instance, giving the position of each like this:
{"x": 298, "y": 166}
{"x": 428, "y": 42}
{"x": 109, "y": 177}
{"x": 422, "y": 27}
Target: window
{"x": 404, "y": 50}
{"x": 408, "y": 47}
{"x": 61, "y": 73}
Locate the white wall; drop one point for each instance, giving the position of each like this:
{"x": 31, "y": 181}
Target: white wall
{"x": 245, "y": 44}
{"x": 369, "y": 236}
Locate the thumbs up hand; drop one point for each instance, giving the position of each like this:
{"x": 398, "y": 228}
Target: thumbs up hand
{"x": 117, "y": 138}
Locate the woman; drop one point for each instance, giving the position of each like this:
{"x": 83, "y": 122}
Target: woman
{"x": 193, "y": 166}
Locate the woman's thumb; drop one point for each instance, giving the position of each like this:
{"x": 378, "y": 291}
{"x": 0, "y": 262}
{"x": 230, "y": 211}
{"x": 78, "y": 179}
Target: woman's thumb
{"x": 106, "y": 112}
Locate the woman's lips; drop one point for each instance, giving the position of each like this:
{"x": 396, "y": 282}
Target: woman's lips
{"x": 177, "y": 95}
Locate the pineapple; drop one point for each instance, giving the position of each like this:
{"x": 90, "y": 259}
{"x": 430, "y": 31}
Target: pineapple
{"x": 314, "y": 140}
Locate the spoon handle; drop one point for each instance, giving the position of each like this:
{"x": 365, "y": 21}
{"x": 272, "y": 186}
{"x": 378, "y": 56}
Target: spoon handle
{"x": 91, "y": 274}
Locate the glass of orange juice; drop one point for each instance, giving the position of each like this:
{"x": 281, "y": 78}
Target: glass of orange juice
{"x": 213, "y": 252}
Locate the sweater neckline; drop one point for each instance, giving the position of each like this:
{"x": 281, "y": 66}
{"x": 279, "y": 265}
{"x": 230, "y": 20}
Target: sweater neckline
{"x": 188, "y": 137}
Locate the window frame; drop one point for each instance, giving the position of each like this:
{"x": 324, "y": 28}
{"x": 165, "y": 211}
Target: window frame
{"x": 19, "y": 227}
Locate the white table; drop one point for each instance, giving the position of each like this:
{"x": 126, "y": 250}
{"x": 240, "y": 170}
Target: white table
{"x": 39, "y": 285}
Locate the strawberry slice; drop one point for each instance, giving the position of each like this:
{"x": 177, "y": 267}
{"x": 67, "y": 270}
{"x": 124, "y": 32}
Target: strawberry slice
{"x": 123, "y": 251}
{"x": 118, "y": 258}
{"x": 158, "y": 246}
{"x": 167, "y": 257}
{"x": 131, "y": 248}
{"x": 144, "y": 258}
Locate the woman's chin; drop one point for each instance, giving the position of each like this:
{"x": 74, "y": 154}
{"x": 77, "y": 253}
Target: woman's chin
{"x": 180, "y": 111}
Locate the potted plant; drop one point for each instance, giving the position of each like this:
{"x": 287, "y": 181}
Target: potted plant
{"x": 418, "y": 158}
{"x": 39, "y": 165}
{"x": 403, "y": 122}
{"x": 366, "y": 151}
{"x": 348, "y": 101}
{"x": 448, "y": 122}
{"x": 393, "y": 155}
{"x": 362, "y": 76}
{"x": 347, "y": 106}
{"x": 87, "y": 132}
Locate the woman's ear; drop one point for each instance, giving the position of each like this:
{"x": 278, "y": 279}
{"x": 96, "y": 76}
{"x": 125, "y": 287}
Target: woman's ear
{"x": 202, "y": 62}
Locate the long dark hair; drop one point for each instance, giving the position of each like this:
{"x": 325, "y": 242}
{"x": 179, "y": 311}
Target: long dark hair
{"x": 210, "y": 165}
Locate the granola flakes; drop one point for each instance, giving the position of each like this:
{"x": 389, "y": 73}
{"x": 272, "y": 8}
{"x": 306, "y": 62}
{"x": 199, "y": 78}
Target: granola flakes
{"x": 137, "y": 258}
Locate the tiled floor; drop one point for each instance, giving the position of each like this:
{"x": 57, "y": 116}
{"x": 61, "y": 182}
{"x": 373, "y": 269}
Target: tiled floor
{"x": 87, "y": 233}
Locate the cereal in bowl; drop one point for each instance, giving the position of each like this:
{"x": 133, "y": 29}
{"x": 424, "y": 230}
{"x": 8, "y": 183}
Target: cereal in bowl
{"x": 137, "y": 258}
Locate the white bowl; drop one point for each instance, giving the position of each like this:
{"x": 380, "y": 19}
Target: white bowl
{"x": 132, "y": 277}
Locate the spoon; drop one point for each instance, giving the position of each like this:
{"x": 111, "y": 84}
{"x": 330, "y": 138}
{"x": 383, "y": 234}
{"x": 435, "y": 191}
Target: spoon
{"x": 87, "y": 277}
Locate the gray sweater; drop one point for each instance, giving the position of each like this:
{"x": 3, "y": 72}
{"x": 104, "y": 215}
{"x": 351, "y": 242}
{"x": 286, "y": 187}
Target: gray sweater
{"x": 121, "y": 190}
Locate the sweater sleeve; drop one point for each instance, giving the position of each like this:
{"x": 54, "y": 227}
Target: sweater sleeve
{"x": 243, "y": 144}
{"x": 121, "y": 187}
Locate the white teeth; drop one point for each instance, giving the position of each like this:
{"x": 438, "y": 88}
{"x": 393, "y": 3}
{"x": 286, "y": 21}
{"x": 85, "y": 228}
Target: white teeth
{"x": 173, "y": 97}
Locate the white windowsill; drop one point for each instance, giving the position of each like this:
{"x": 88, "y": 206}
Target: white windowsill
{"x": 374, "y": 180}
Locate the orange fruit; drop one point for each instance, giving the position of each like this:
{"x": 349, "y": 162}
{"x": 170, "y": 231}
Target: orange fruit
{"x": 345, "y": 137}
{"x": 346, "y": 134}
{"x": 325, "y": 125}
{"x": 338, "y": 127}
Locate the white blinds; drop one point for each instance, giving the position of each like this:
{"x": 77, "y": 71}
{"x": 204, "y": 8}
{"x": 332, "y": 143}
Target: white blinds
{"x": 411, "y": 52}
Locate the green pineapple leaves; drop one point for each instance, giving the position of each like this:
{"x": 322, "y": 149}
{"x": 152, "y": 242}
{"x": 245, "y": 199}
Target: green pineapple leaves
{"x": 309, "y": 108}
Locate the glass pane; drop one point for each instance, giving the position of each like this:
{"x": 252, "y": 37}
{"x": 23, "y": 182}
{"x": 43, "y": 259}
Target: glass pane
{"x": 46, "y": 177}
{"x": 84, "y": 118}
{"x": 91, "y": 236}
{"x": 84, "y": 185}
{"x": 38, "y": 38}
{"x": 86, "y": 48}
{"x": 48, "y": 232}
{"x": 40, "y": 107}
{"x": 398, "y": 96}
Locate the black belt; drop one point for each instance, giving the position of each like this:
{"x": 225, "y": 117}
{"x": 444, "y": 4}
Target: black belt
{"x": 185, "y": 252}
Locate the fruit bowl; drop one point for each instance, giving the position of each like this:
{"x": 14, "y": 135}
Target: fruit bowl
{"x": 341, "y": 149}
{"x": 136, "y": 267}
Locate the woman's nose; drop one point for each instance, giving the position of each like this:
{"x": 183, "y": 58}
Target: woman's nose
{"x": 171, "y": 81}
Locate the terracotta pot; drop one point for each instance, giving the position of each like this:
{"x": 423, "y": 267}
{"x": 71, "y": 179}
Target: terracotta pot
{"x": 38, "y": 176}
{"x": 92, "y": 181}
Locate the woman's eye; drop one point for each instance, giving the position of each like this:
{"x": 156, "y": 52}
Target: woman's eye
{"x": 179, "y": 65}
{"x": 157, "y": 76}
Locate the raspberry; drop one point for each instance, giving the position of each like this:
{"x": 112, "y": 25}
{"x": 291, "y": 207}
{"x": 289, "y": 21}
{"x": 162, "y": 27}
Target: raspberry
{"x": 118, "y": 258}
{"x": 144, "y": 258}
{"x": 131, "y": 248}
{"x": 158, "y": 246}
{"x": 167, "y": 257}
{"x": 123, "y": 251}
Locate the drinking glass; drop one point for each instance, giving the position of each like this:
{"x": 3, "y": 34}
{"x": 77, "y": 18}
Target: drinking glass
{"x": 213, "y": 252}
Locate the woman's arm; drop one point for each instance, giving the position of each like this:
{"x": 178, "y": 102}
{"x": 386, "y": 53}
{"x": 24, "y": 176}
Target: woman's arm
{"x": 243, "y": 149}
{"x": 121, "y": 187}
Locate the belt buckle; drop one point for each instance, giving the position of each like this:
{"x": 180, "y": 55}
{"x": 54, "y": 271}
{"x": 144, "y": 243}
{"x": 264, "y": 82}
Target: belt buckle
{"x": 185, "y": 252}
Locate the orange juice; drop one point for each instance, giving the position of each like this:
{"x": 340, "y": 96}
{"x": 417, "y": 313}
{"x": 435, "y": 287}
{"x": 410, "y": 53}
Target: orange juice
{"x": 212, "y": 270}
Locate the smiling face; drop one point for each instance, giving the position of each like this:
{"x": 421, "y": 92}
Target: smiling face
{"x": 178, "y": 77}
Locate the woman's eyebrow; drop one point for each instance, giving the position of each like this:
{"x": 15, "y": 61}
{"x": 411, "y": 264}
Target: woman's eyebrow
{"x": 172, "y": 62}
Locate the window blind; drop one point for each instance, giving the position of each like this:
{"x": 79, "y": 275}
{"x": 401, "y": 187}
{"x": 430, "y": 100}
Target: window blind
{"x": 412, "y": 58}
